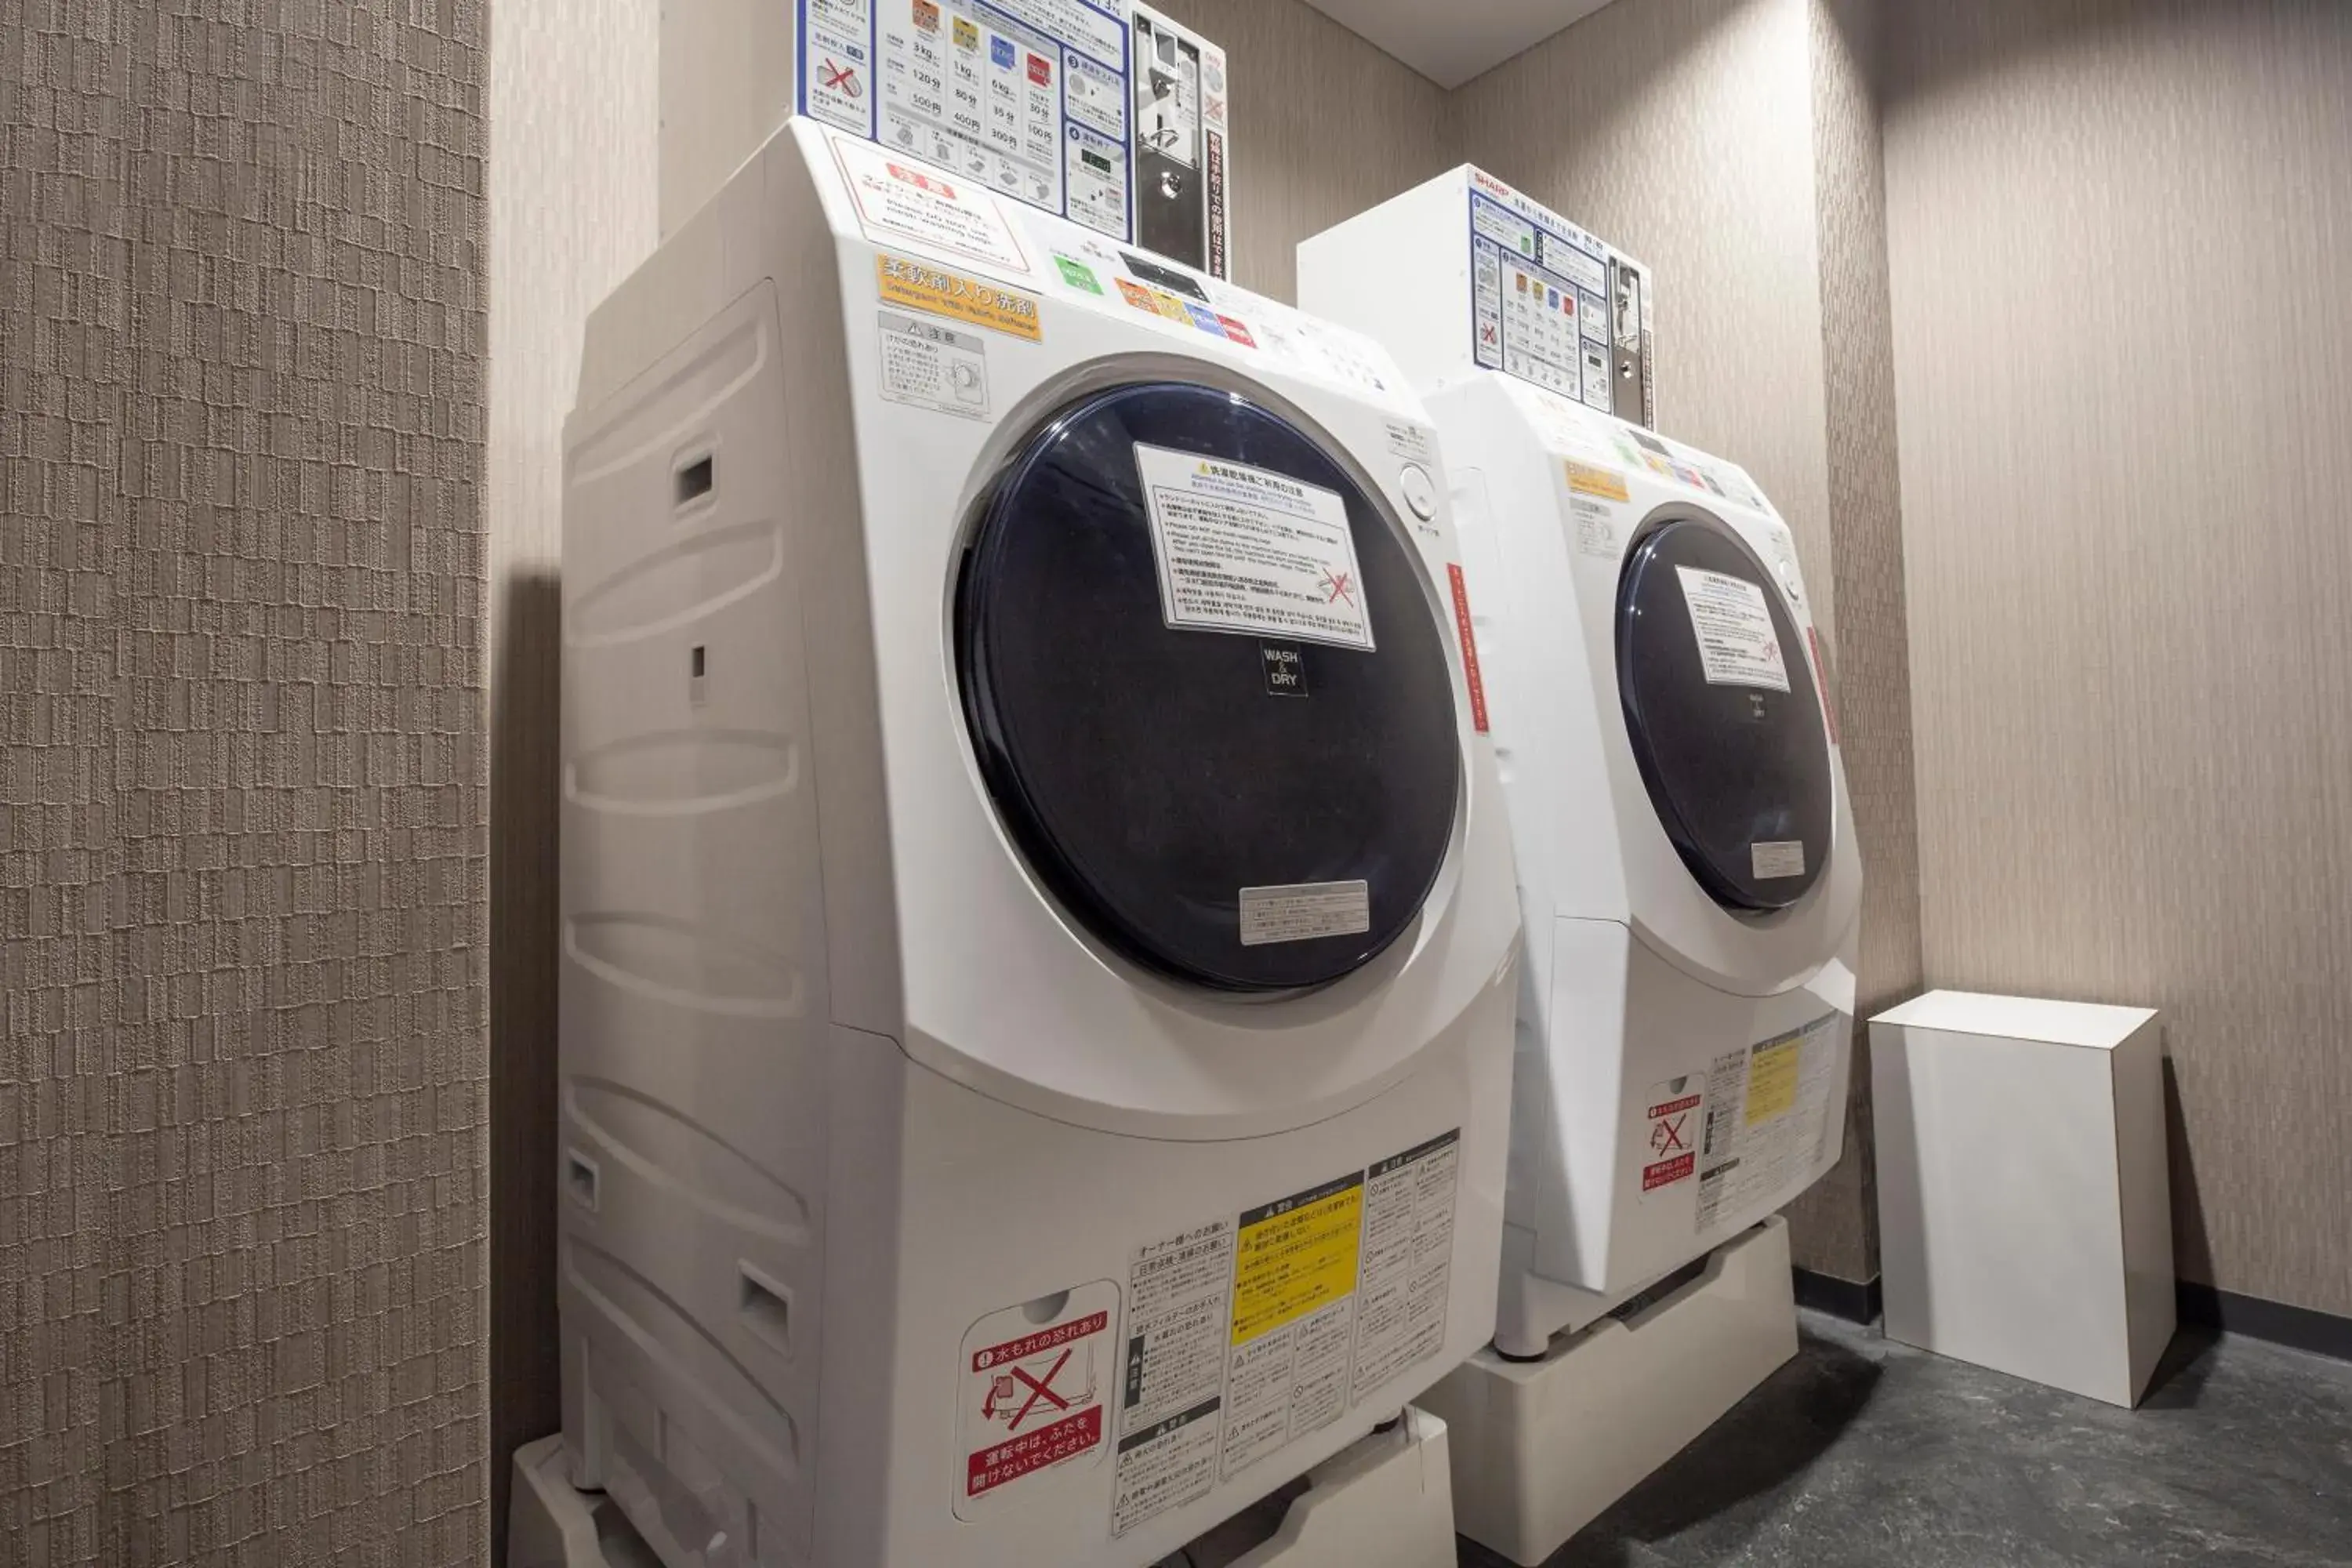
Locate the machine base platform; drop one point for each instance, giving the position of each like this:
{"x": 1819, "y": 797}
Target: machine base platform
{"x": 1387, "y": 1500}
{"x": 1542, "y": 1448}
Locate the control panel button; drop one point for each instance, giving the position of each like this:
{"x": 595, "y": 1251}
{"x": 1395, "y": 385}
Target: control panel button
{"x": 1419, "y": 490}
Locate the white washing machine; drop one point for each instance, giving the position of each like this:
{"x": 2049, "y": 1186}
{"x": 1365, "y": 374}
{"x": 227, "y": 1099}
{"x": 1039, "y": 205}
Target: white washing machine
{"x": 1039, "y": 947}
{"x": 1686, "y": 856}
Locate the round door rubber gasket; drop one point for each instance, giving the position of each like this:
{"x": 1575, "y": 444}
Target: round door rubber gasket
{"x": 1737, "y": 770}
{"x": 1150, "y": 774}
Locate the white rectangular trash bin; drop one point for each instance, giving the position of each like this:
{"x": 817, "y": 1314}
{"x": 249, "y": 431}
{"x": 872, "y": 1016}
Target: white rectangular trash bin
{"x": 2025, "y": 1213}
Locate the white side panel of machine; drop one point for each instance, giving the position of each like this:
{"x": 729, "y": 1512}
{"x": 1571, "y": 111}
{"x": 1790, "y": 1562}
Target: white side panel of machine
{"x": 692, "y": 1223}
{"x": 1413, "y": 248}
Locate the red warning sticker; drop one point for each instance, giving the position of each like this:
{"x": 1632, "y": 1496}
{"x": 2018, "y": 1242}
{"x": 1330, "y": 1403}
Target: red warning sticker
{"x": 1822, "y": 683}
{"x": 1036, "y": 1379}
{"x": 1670, "y": 1128}
{"x": 1469, "y": 648}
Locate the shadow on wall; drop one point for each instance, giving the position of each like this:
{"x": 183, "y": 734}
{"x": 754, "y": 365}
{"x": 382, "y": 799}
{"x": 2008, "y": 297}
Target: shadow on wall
{"x": 1769, "y": 1439}
{"x": 527, "y": 1375}
{"x": 2192, "y": 1248}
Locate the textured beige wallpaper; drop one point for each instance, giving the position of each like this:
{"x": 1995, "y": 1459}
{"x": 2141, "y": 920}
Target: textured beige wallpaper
{"x": 2123, "y": 361}
{"x": 243, "y": 803}
{"x": 1834, "y": 1226}
{"x": 1681, "y": 130}
{"x": 1325, "y": 125}
{"x": 1732, "y": 144}
{"x": 573, "y": 128}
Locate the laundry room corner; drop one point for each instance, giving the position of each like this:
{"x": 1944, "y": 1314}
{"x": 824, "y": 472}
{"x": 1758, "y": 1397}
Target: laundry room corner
{"x": 2125, "y": 550}
{"x": 573, "y": 132}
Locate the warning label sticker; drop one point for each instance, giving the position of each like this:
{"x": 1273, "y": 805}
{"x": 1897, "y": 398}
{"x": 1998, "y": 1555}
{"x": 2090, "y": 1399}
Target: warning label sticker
{"x": 1244, "y": 1334}
{"x": 1670, "y": 1134}
{"x": 906, "y": 199}
{"x": 1295, "y": 1269}
{"x": 1300, "y": 910}
{"x": 1408, "y": 1260}
{"x": 1242, "y": 549}
{"x": 1589, "y": 480}
{"x": 1173, "y": 1377}
{"x": 1822, "y": 683}
{"x": 1768, "y": 859}
{"x": 933, "y": 366}
{"x": 1413, "y": 443}
{"x": 1737, "y": 644}
{"x": 1036, "y": 1387}
{"x": 1462, "y": 628}
{"x": 1596, "y": 530}
{"x": 922, "y": 287}
{"x": 1766, "y": 1116}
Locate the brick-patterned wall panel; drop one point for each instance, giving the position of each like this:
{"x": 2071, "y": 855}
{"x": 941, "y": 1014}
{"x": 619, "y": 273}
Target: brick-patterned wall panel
{"x": 243, "y": 805}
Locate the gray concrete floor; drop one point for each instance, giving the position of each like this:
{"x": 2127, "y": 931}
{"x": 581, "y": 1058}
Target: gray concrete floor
{"x": 1863, "y": 1453}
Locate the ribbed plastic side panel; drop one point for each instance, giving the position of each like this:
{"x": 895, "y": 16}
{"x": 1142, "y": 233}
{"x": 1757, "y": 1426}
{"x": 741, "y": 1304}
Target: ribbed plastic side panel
{"x": 693, "y": 1134}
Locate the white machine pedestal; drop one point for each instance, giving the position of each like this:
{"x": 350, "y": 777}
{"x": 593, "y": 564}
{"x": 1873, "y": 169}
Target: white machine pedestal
{"x": 1387, "y": 1500}
{"x": 1542, "y": 1448}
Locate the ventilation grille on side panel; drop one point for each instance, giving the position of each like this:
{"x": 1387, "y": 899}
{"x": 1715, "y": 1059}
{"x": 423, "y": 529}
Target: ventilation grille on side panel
{"x": 674, "y": 772}
{"x": 669, "y": 960}
{"x": 693, "y": 945}
{"x": 690, "y": 1357}
{"x": 662, "y": 1147}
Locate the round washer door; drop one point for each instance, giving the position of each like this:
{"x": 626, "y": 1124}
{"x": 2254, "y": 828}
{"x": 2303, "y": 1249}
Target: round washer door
{"x": 1720, "y": 706}
{"x": 1207, "y": 691}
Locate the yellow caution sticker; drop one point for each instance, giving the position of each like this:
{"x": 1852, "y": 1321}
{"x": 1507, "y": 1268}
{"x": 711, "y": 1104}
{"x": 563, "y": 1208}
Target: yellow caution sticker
{"x": 922, "y": 287}
{"x": 1586, "y": 479}
{"x": 1773, "y": 1078}
{"x": 1294, "y": 1256}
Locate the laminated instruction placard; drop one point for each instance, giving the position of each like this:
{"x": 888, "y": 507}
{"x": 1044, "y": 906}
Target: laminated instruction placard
{"x": 1244, "y": 549}
{"x": 1249, "y": 1332}
{"x": 1768, "y": 1110}
{"x": 1029, "y": 97}
{"x": 1737, "y": 643}
{"x": 1539, "y": 298}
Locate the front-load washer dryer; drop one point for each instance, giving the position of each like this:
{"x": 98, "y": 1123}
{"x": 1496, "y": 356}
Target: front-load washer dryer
{"x": 1687, "y": 857}
{"x": 1038, "y": 949}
